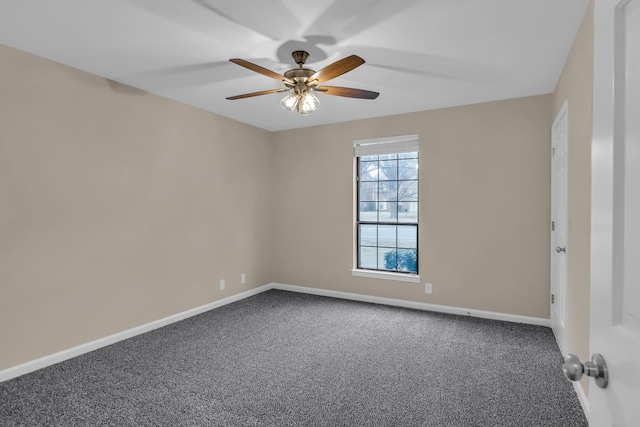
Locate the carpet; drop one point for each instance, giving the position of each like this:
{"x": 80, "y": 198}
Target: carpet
{"x": 288, "y": 359}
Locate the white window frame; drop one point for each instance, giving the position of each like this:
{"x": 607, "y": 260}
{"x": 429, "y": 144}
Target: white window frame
{"x": 376, "y": 147}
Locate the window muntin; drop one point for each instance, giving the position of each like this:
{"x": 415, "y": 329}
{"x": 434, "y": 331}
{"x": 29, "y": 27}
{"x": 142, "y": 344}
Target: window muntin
{"x": 387, "y": 217}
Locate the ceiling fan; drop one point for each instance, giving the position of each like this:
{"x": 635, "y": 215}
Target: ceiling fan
{"x": 302, "y": 82}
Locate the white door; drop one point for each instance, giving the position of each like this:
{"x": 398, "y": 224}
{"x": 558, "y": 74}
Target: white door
{"x": 615, "y": 221}
{"x": 559, "y": 188}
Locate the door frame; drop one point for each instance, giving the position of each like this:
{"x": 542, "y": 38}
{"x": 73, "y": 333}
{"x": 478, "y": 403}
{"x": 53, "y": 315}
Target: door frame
{"x": 558, "y": 289}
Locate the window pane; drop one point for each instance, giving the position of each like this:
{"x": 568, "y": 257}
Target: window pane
{"x": 407, "y": 260}
{"x": 387, "y": 236}
{"x": 368, "y": 171}
{"x": 387, "y": 259}
{"x": 388, "y": 212}
{"x": 368, "y": 191}
{"x": 368, "y": 235}
{"x": 388, "y": 191}
{"x": 368, "y": 257}
{"x": 408, "y": 212}
{"x": 407, "y": 236}
{"x": 368, "y": 211}
{"x": 408, "y": 191}
{"x": 388, "y": 170}
{"x": 408, "y": 169}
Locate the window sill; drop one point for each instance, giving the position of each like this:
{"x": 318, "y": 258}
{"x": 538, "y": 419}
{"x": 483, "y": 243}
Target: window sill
{"x": 398, "y": 277}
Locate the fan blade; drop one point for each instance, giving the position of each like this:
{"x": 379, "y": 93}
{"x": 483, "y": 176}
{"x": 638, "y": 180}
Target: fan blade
{"x": 336, "y": 69}
{"x": 348, "y": 92}
{"x": 258, "y": 69}
{"x": 264, "y": 92}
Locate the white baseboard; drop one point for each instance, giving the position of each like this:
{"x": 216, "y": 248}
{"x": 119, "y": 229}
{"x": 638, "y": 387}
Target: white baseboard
{"x": 577, "y": 385}
{"x": 415, "y": 305}
{"x": 582, "y": 397}
{"x": 43, "y": 362}
{"x": 52, "y": 359}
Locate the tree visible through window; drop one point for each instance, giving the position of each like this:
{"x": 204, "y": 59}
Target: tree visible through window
{"x": 387, "y": 216}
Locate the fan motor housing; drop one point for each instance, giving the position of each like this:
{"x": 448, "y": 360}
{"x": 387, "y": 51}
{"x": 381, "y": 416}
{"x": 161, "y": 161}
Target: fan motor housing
{"x": 298, "y": 75}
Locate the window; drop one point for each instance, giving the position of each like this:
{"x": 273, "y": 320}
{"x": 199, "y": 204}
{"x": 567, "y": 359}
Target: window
{"x": 387, "y": 204}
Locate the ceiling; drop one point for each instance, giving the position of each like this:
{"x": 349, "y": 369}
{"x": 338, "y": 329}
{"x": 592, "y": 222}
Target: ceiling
{"x": 420, "y": 54}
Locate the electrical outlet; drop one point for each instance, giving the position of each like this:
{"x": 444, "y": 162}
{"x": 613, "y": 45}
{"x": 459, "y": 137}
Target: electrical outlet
{"x": 222, "y": 285}
{"x": 243, "y": 279}
{"x": 428, "y": 288}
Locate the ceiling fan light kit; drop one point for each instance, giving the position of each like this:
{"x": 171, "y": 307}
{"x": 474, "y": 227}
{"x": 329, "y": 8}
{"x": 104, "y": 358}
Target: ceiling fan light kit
{"x": 304, "y": 102}
{"x": 301, "y": 82}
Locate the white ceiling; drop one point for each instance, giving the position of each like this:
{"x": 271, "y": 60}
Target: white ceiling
{"x": 420, "y": 54}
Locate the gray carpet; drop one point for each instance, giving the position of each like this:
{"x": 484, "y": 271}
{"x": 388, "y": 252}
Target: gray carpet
{"x": 287, "y": 359}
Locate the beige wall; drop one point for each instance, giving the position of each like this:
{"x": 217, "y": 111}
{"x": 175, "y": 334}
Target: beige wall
{"x": 484, "y": 196}
{"x": 576, "y": 86}
{"x": 118, "y": 207}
